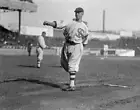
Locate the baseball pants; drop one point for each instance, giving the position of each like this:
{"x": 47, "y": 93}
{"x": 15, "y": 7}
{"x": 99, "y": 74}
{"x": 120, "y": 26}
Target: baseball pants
{"x": 39, "y": 52}
{"x": 71, "y": 56}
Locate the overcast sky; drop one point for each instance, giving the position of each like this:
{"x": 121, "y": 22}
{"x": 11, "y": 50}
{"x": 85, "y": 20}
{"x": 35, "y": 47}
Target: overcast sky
{"x": 120, "y": 14}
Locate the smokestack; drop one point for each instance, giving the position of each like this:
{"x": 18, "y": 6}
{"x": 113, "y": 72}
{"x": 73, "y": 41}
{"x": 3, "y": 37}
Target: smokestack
{"x": 103, "y": 21}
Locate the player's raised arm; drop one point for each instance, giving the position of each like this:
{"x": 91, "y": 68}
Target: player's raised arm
{"x": 55, "y": 24}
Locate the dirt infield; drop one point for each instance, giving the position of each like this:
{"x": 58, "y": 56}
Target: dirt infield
{"x": 24, "y": 87}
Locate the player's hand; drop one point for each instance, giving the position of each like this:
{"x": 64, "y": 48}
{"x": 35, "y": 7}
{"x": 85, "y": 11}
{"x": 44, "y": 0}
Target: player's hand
{"x": 45, "y": 23}
{"x": 84, "y": 45}
{"x": 47, "y": 47}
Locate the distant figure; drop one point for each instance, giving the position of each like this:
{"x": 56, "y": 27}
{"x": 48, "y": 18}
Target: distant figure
{"x": 5, "y": 42}
{"x": 105, "y": 51}
{"x": 41, "y": 45}
{"x": 29, "y": 48}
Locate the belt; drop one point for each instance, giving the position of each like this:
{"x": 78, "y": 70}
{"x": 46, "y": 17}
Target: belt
{"x": 71, "y": 42}
{"x": 39, "y": 47}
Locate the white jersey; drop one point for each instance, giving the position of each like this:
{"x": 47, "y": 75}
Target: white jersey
{"x": 105, "y": 47}
{"x": 75, "y": 31}
{"x": 41, "y": 42}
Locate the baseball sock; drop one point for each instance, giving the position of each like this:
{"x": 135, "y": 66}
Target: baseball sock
{"x": 72, "y": 79}
{"x": 38, "y": 63}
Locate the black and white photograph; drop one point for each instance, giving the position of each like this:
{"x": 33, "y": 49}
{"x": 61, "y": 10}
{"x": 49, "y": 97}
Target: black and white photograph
{"x": 69, "y": 55}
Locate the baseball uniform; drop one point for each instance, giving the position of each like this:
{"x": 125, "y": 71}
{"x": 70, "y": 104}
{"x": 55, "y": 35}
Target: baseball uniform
{"x": 76, "y": 34}
{"x": 39, "y": 50}
{"x": 29, "y": 48}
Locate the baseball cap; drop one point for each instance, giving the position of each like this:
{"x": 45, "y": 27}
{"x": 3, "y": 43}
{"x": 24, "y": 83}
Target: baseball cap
{"x": 79, "y": 9}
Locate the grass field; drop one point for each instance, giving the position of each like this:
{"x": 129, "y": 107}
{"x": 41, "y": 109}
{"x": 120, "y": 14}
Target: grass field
{"x": 24, "y": 87}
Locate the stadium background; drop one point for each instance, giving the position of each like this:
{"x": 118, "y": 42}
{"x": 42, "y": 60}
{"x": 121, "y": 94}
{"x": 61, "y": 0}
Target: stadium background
{"x": 13, "y": 39}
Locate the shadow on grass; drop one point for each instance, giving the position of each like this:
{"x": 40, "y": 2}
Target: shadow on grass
{"x": 27, "y": 66}
{"x": 35, "y": 81}
{"x": 34, "y": 66}
{"x": 55, "y": 66}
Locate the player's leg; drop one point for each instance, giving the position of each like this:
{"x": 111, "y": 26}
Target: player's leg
{"x": 38, "y": 62}
{"x": 64, "y": 63}
{"x": 73, "y": 64}
{"x": 106, "y": 53}
{"x": 64, "y": 58}
{"x": 72, "y": 84}
{"x": 29, "y": 52}
{"x": 39, "y": 57}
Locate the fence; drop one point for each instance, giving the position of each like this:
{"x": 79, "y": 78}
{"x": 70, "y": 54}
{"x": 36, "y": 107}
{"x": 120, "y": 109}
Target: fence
{"x": 13, "y": 47}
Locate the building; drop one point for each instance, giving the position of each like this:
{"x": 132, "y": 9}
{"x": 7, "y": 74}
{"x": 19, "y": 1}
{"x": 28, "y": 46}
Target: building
{"x": 32, "y": 30}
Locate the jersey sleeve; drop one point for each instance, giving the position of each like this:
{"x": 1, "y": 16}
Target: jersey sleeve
{"x": 41, "y": 42}
{"x": 61, "y": 24}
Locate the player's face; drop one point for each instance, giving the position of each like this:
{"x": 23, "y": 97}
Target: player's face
{"x": 79, "y": 15}
{"x": 43, "y": 34}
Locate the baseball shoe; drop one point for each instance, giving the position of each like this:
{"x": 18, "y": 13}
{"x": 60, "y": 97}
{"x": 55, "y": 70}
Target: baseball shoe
{"x": 38, "y": 66}
{"x": 69, "y": 89}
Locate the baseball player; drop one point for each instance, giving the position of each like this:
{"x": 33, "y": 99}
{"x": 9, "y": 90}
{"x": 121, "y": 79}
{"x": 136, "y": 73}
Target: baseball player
{"x": 29, "y": 48}
{"x": 39, "y": 50}
{"x": 76, "y": 37}
{"x": 105, "y": 51}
